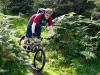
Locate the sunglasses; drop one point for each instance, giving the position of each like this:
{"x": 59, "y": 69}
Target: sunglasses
{"x": 50, "y": 13}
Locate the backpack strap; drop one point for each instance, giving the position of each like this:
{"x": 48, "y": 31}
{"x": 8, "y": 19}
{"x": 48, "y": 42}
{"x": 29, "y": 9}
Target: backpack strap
{"x": 43, "y": 16}
{"x": 41, "y": 10}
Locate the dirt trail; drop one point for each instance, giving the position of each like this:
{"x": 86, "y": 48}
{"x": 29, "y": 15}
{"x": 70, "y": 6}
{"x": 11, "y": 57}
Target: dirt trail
{"x": 34, "y": 72}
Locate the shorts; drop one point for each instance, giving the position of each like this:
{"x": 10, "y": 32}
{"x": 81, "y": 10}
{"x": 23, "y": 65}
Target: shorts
{"x": 29, "y": 30}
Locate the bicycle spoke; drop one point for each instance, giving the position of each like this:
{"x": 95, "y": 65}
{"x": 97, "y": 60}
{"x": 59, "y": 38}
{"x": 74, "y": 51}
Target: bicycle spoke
{"x": 39, "y": 60}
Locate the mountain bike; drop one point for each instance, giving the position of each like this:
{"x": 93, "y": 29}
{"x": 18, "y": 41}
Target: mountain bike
{"x": 37, "y": 50}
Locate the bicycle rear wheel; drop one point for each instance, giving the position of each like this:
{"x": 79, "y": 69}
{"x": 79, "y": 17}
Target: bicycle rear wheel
{"x": 39, "y": 60}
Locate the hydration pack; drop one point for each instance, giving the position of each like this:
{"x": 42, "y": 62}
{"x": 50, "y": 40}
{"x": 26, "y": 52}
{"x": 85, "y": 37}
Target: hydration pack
{"x": 41, "y": 10}
{"x": 43, "y": 21}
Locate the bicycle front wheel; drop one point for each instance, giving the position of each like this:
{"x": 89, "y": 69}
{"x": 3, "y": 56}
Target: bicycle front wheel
{"x": 39, "y": 60}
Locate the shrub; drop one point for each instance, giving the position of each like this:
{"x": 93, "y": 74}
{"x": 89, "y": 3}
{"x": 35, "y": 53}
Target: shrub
{"x": 12, "y": 60}
{"x": 77, "y": 35}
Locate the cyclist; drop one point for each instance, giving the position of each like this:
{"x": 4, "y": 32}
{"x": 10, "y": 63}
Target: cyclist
{"x": 35, "y": 23}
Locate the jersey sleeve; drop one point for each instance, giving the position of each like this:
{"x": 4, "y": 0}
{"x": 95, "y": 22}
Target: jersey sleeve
{"x": 50, "y": 23}
{"x": 31, "y": 19}
{"x": 37, "y": 18}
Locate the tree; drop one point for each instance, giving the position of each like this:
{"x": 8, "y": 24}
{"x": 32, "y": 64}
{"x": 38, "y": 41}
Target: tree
{"x": 16, "y": 6}
{"x": 65, "y": 6}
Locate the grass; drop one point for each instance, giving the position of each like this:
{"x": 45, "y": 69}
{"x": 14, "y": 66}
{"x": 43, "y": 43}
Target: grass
{"x": 20, "y": 25}
{"x": 56, "y": 63}
{"x": 92, "y": 68}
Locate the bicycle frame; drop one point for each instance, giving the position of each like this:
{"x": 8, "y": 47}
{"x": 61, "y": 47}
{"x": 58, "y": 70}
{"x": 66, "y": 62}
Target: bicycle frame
{"x": 41, "y": 38}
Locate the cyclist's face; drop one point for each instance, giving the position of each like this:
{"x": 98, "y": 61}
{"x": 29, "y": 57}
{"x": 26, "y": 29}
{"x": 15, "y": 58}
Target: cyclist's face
{"x": 47, "y": 16}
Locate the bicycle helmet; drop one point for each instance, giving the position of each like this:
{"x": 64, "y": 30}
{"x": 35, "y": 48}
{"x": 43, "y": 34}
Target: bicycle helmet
{"x": 49, "y": 11}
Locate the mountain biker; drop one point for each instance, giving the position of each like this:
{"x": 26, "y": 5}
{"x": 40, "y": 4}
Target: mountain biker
{"x": 35, "y": 23}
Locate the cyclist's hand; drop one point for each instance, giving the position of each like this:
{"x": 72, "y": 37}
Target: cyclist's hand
{"x": 52, "y": 37}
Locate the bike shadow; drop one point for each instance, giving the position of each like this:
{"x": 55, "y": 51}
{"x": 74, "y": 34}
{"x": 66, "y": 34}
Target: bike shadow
{"x": 38, "y": 73}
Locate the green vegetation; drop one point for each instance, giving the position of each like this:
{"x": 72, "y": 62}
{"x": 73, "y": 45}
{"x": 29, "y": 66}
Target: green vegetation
{"x": 12, "y": 60}
{"x": 78, "y": 6}
{"x": 17, "y": 6}
{"x": 28, "y": 7}
{"x": 77, "y": 34}
{"x": 75, "y": 48}
{"x": 65, "y": 54}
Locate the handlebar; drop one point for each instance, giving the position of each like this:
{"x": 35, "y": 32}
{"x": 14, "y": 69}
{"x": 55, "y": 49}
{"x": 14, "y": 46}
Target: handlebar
{"x": 41, "y": 38}
{"x": 46, "y": 38}
{"x": 35, "y": 35}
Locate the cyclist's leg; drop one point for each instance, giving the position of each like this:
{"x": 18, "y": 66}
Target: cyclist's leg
{"x": 38, "y": 32}
{"x": 28, "y": 33}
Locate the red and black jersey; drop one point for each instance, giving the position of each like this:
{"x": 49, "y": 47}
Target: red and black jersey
{"x": 39, "y": 19}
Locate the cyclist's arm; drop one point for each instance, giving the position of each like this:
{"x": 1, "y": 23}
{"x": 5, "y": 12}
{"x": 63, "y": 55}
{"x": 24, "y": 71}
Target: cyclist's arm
{"x": 33, "y": 27}
{"x": 35, "y": 21}
{"x": 50, "y": 26}
{"x": 51, "y": 31}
